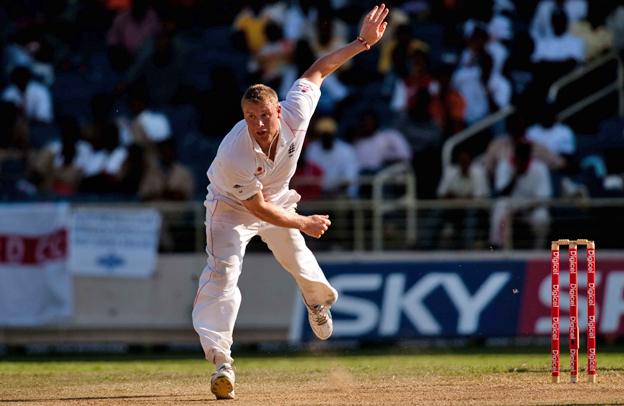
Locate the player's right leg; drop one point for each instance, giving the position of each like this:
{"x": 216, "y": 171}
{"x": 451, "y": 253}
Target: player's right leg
{"x": 218, "y": 298}
{"x": 290, "y": 250}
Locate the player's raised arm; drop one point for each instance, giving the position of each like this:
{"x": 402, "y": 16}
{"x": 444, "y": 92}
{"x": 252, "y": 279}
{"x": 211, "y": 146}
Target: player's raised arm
{"x": 373, "y": 28}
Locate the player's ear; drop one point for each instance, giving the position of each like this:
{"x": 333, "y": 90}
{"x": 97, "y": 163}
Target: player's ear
{"x": 279, "y": 110}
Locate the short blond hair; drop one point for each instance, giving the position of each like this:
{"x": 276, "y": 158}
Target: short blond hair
{"x": 259, "y": 93}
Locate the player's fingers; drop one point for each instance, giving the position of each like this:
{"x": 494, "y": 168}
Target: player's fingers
{"x": 379, "y": 12}
{"x": 383, "y": 27}
{"x": 384, "y": 14}
{"x": 371, "y": 15}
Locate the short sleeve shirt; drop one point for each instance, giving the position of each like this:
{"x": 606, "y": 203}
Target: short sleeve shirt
{"x": 241, "y": 169}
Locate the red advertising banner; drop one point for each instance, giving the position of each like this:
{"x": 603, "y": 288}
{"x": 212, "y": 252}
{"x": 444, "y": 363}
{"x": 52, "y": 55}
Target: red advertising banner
{"x": 535, "y": 316}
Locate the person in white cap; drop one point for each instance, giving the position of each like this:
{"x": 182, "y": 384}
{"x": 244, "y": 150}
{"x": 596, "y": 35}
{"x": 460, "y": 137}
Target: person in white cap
{"x": 248, "y": 195}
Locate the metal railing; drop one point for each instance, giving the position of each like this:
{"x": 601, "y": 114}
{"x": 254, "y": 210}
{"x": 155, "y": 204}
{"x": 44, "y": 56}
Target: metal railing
{"x": 555, "y": 88}
{"x": 400, "y": 173}
{"x": 580, "y": 73}
{"x": 358, "y": 224}
{"x": 465, "y": 134}
{"x": 409, "y": 224}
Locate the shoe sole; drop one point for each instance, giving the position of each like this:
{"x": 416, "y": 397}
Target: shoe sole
{"x": 222, "y": 388}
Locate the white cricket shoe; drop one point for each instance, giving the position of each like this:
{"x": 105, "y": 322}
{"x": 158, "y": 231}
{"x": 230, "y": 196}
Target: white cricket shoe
{"x": 222, "y": 382}
{"x": 320, "y": 319}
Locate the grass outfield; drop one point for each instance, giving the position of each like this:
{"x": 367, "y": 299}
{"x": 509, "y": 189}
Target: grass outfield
{"x": 480, "y": 377}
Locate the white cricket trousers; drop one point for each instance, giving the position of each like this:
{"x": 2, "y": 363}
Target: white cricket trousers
{"x": 500, "y": 221}
{"x": 228, "y": 231}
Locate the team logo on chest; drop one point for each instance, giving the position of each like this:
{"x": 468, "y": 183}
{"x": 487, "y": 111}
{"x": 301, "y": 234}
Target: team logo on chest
{"x": 291, "y": 150}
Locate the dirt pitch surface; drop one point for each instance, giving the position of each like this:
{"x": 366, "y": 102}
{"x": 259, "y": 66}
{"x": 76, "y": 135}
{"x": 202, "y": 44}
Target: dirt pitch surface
{"x": 391, "y": 379}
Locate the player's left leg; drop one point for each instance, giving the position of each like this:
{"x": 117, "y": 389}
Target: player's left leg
{"x": 290, "y": 250}
{"x": 228, "y": 230}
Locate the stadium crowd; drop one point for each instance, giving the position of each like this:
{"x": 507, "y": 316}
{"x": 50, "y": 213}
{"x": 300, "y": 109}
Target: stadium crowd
{"x": 128, "y": 100}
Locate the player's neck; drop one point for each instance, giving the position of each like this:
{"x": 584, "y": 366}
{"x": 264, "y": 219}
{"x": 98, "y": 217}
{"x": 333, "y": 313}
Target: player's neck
{"x": 270, "y": 147}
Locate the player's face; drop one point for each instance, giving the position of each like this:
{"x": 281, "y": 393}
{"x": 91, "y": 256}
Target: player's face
{"x": 262, "y": 119}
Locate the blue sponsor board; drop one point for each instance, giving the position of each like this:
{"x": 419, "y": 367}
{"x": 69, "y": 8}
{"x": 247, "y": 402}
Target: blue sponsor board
{"x": 389, "y": 300}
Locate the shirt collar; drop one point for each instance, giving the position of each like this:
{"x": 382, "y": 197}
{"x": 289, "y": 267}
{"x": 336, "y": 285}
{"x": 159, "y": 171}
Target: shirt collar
{"x": 284, "y": 136}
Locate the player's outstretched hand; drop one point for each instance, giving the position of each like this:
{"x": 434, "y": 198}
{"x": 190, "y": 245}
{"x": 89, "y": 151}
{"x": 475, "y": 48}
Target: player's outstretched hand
{"x": 374, "y": 26}
{"x": 316, "y": 225}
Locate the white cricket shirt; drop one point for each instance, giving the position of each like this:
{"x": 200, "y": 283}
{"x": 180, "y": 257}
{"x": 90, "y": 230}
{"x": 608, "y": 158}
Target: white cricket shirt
{"x": 241, "y": 169}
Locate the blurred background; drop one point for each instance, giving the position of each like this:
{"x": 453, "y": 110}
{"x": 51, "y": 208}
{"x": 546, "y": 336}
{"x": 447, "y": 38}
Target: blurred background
{"x": 448, "y": 156}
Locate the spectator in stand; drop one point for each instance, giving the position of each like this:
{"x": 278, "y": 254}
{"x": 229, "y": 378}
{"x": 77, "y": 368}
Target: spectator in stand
{"x": 413, "y": 87}
{"x": 130, "y": 30}
{"x": 542, "y": 24}
{"x": 559, "y": 140}
{"x": 521, "y": 185}
{"x": 555, "y": 137}
{"x": 501, "y": 148}
{"x": 562, "y": 45}
{"x": 275, "y": 10}
{"x": 30, "y": 46}
{"x": 15, "y": 153}
{"x": 486, "y": 90}
{"x": 395, "y": 53}
{"x": 333, "y": 91}
{"x": 447, "y": 106}
{"x": 301, "y": 58}
{"x": 59, "y": 162}
{"x": 553, "y": 57}
{"x": 15, "y": 130}
{"x": 449, "y": 13}
{"x": 328, "y": 33}
{"x": 30, "y": 96}
{"x": 252, "y": 23}
{"x": 465, "y": 180}
{"x": 132, "y": 172}
{"x": 595, "y": 35}
{"x": 274, "y": 55}
{"x": 101, "y": 107}
{"x": 19, "y": 50}
{"x": 336, "y": 158}
{"x": 377, "y": 147}
{"x": 398, "y": 18}
{"x": 102, "y": 164}
{"x": 308, "y": 178}
{"x": 166, "y": 178}
{"x": 300, "y": 17}
{"x": 161, "y": 65}
{"x": 411, "y": 100}
{"x": 147, "y": 127}
{"x": 480, "y": 41}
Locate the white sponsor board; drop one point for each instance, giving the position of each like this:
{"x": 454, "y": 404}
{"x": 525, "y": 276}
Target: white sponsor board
{"x": 35, "y": 285}
{"x": 114, "y": 242}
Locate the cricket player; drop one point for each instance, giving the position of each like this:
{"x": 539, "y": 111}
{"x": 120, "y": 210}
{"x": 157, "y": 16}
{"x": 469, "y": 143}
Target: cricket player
{"x": 248, "y": 195}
